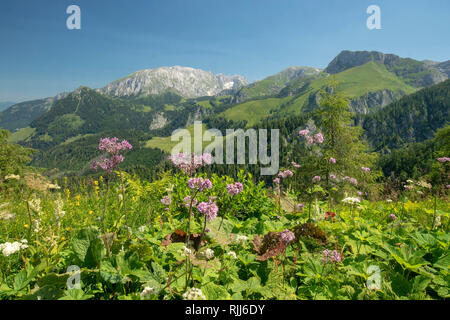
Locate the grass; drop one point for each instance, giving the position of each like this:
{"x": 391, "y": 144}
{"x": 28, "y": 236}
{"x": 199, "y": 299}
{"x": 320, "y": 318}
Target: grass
{"x": 254, "y": 111}
{"x": 165, "y": 143}
{"x": 22, "y": 134}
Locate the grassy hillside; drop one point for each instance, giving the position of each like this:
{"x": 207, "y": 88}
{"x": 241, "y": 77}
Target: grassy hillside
{"x": 254, "y": 111}
{"x": 353, "y": 83}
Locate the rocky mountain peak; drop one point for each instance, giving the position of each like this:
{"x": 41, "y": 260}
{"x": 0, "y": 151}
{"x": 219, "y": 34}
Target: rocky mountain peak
{"x": 187, "y": 82}
{"x": 350, "y": 59}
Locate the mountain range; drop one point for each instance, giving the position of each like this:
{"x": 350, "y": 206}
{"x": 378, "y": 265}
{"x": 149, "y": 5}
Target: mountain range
{"x": 148, "y": 105}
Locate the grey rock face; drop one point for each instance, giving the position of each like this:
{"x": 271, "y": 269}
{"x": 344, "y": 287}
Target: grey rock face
{"x": 371, "y": 100}
{"x": 444, "y": 67}
{"x": 187, "y": 82}
{"x": 158, "y": 121}
{"x": 350, "y": 59}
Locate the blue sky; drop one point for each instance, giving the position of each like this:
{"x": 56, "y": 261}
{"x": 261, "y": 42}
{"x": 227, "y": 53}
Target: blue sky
{"x": 40, "y": 57}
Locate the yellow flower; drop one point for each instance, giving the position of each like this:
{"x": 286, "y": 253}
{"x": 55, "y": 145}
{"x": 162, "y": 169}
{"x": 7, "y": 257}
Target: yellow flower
{"x": 90, "y": 211}
{"x": 26, "y": 226}
{"x": 96, "y": 182}
{"x": 63, "y": 238}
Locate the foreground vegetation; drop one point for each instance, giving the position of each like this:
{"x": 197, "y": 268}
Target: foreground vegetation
{"x": 329, "y": 225}
{"x": 242, "y": 257}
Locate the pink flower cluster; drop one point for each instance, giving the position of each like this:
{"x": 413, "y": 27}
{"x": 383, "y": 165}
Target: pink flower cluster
{"x": 351, "y": 180}
{"x": 187, "y": 201}
{"x": 317, "y": 138}
{"x": 392, "y": 216}
{"x": 199, "y": 184}
{"x": 285, "y": 174}
{"x": 365, "y": 169}
{"x": 209, "y": 209}
{"x": 235, "y": 188}
{"x": 316, "y": 179}
{"x": 303, "y": 133}
{"x": 331, "y": 256}
{"x": 287, "y": 236}
{"x": 113, "y": 147}
{"x": 189, "y": 163}
{"x": 444, "y": 159}
{"x": 166, "y": 200}
{"x": 276, "y": 180}
{"x": 332, "y": 160}
{"x": 296, "y": 165}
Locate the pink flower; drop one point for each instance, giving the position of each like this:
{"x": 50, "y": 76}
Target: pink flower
{"x": 287, "y": 236}
{"x": 331, "y": 256}
{"x": 316, "y": 179}
{"x": 353, "y": 181}
{"x": 190, "y": 163}
{"x": 288, "y": 173}
{"x": 199, "y": 184}
{"x": 285, "y": 174}
{"x": 444, "y": 159}
{"x": 276, "y": 180}
{"x": 359, "y": 193}
{"x": 295, "y": 165}
{"x": 166, "y": 200}
{"x": 332, "y": 160}
{"x": 303, "y": 133}
{"x": 209, "y": 209}
{"x": 113, "y": 147}
{"x": 365, "y": 169}
{"x": 235, "y": 188}
{"x": 318, "y": 138}
{"x": 309, "y": 140}
{"x": 187, "y": 201}
{"x": 332, "y": 176}
{"x": 392, "y": 216}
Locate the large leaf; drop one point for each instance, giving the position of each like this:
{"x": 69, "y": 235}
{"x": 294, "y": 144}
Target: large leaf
{"x": 215, "y": 292}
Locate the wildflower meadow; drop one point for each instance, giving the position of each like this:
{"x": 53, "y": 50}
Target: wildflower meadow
{"x": 315, "y": 233}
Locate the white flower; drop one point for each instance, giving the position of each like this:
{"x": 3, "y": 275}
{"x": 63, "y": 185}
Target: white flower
{"x": 241, "y": 238}
{"x": 142, "y": 228}
{"x": 437, "y": 222}
{"x": 388, "y": 200}
{"x": 7, "y": 215}
{"x": 186, "y": 251}
{"x": 194, "y": 294}
{"x": 35, "y": 205}
{"x": 148, "y": 291}
{"x": 209, "y": 254}
{"x": 53, "y": 186}
{"x": 12, "y": 176}
{"x": 59, "y": 213}
{"x": 351, "y": 200}
{"x": 232, "y": 254}
{"x": 35, "y": 226}
{"x": 9, "y": 248}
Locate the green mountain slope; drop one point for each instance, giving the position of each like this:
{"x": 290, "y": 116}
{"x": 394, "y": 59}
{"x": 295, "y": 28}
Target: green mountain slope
{"x": 354, "y": 83}
{"x": 415, "y": 73}
{"x": 272, "y": 85}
